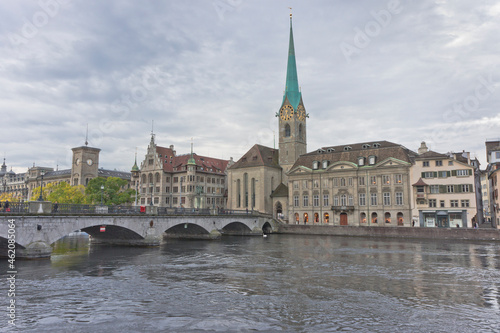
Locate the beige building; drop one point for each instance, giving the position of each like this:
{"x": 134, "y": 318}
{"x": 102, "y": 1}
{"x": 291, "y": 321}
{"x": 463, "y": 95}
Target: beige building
{"x": 84, "y": 167}
{"x": 443, "y": 189}
{"x": 493, "y": 171}
{"x": 358, "y": 184}
{"x": 13, "y": 183}
{"x": 166, "y": 179}
{"x": 253, "y": 179}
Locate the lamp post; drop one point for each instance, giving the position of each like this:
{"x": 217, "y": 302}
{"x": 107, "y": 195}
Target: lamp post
{"x": 151, "y": 203}
{"x": 102, "y": 191}
{"x": 40, "y": 198}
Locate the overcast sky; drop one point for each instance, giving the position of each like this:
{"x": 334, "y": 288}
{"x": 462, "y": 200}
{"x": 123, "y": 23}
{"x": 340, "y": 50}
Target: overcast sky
{"x": 215, "y": 71}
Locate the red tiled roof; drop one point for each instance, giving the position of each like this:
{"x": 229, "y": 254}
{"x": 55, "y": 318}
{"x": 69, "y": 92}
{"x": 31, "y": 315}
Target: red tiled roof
{"x": 173, "y": 163}
{"x": 420, "y": 182}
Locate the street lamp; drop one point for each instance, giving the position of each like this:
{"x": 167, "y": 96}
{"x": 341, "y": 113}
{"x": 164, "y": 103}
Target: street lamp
{"x": 151, "y": 204}
{"x": 102, "y": 190}
{"x": 40, "y": 198}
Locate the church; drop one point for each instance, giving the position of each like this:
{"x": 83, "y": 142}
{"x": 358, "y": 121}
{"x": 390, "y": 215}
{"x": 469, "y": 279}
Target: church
{"x": 355, "y": 184}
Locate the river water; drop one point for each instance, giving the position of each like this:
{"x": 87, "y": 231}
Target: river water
{"x": 285, "y": 283}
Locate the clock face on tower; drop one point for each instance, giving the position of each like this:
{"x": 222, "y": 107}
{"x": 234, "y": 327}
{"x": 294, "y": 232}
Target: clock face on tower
{"x": 89, "y": 161}
{"x": 77, "y": 161}
{"x": 301, "y": 112}
{"x": 286, "y": 112}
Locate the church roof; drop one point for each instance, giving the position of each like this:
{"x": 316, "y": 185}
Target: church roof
{"x": 292, "y": 92}
{"x": 280, "y": 191}
{"x": 351, "y": 152}
{"x": 258, "y": 156}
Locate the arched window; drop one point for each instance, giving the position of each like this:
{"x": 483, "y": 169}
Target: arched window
{"x": 157, "y": 177}
{"x": 326, "y": 218}
{"x": 287, "y": 130}
{"x": 150, "y": 178}
{"x": 245, "y": 188}
{"x": 374, "y": 217}
{"x": 297, "y": 217}
{"x": 362, "y": 217}
{"x": 316, "y": 217}
{"x": 300, "y": 132}
{"x": 387, "y": 217}
{"x": 343, "y": 200}
{"x": 306, "y": 217}
{"x": 400, "y": 218}
{"x": 144, "y": 179}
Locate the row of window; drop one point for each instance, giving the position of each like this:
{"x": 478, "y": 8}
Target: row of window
{"x": 446, "y": 174}
{"x": 325, "y": 163}
{"x": 185, "y": 189}
{"x": 453, "y": 203}
{"x": 437, "y": 163}
{"x": 349, "y": 181}
{"x": 343, "y": 221}
{"x": 189, "y": 178}
{"x": 348, "y": 200}
{"x": 435, "y": 189}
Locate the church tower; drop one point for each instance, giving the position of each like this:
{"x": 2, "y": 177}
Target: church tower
{"x": 292, "y": 115}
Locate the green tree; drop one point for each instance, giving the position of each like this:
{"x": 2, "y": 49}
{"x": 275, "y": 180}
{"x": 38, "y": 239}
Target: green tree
{"x": 62, "y": 193}
{"x": 115, "y": 191}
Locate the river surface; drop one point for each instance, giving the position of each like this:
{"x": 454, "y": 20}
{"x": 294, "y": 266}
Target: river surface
{"x": 285, "y": 283}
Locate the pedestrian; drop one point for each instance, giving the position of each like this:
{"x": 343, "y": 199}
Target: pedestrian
{"x": 56, "y": 205}
{"x": 247, "y": 210}
{"x": 6, "y": 206}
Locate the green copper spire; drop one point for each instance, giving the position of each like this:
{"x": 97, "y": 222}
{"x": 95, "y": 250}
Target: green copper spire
{"x": 292, "y": 82}
{"x": 135, "y": 167}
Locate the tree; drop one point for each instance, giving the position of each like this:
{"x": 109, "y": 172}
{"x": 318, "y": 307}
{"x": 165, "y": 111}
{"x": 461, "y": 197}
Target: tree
{"x": 115, "y": 191}
{"x": 62, "y": 193}
{"x": 8, "y": 196}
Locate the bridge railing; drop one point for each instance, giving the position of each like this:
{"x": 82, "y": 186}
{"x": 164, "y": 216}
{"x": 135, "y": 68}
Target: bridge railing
{"x": 22, "y": 208}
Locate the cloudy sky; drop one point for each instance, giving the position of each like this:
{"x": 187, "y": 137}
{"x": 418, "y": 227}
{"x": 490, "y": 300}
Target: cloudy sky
{"x": 214, "y": 71}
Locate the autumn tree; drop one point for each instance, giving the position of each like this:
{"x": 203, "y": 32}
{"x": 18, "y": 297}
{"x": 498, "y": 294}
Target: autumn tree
{"x": 8, "y": 196}
{"x": 115, "y": 192}
{"x": 62, "y": 193}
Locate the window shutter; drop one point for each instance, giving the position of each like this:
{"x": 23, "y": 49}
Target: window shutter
{"x": 458, "y": 188}
{"x": 435, "y": 174}
{"x": 470, "y": 172}
{"x": 453, "y": 172}
{"x": 442, "y": 188}
{"x": 448, "y": 174}
{"x": 423, "y": 175}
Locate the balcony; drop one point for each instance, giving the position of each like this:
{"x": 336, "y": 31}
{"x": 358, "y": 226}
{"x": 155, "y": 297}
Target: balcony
{"x": 341, "y": 209}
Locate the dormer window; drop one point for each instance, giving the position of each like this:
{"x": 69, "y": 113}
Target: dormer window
{"x": 315, "y": 165}
{"x": 366, "y": 146}
{"x": 376, "y": 145}
{"x": 325, "y": 164}
{"x": 330, "y": 150}
{"x": 371, "y": 160}
{"x": 361, "y": 161}
{"x": 321, "y": 151}
{"x": 347, "y": 148}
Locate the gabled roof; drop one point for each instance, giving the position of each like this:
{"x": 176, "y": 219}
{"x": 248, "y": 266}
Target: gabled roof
{"x": 280, "y": 191}
{"x": 431, "y": 154}
{"x": 258, "y": 156}
{"x": 382, "y": 150}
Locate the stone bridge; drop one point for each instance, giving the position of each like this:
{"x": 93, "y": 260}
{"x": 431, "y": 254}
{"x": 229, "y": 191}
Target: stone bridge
{"x": 35, "y": 234}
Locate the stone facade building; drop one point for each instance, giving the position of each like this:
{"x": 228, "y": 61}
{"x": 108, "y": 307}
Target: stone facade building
{"x": 84, "y": 167}
{"x": 493, "y": 171}
{"x": 13, "y": 183}
{"x": 443, "y": 189}
{"x": 166, "y": 179}
{"x": 357, "y": 184}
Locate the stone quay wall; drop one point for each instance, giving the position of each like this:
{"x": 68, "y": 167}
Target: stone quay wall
{"x": 393, "y": 232}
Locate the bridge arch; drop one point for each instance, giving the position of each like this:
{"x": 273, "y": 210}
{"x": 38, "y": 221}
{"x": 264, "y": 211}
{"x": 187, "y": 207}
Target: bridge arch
{"x": 236, "y": 228}
{"x": 186, "y": 230}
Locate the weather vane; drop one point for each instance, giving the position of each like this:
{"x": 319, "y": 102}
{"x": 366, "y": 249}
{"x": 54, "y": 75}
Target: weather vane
{"x": 290, "y": 11}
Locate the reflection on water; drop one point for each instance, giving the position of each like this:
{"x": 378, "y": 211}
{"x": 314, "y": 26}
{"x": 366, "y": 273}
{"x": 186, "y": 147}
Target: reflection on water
{"x": 279, "y": 283}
